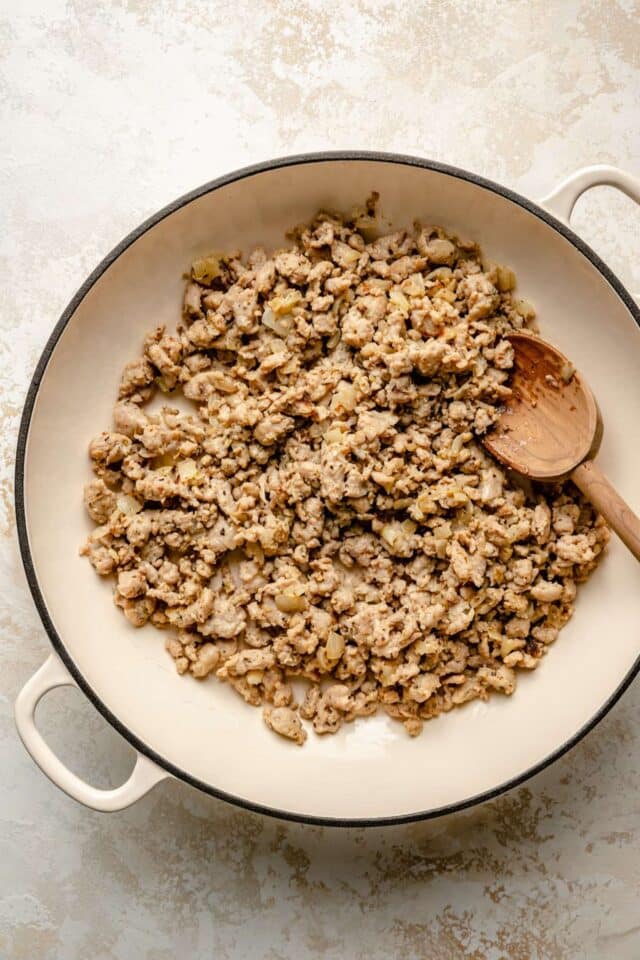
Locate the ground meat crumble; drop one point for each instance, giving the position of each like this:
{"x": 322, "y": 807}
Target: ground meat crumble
{"x": 326, "y": 512}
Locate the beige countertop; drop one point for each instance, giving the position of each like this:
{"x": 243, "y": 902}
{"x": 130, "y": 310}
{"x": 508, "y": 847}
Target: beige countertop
{"x": 110, "y": 110}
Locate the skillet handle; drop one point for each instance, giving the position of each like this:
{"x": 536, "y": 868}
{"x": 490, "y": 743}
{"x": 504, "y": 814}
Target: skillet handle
{"x": 144, "y": 776}
{"x": 561, "y": 201}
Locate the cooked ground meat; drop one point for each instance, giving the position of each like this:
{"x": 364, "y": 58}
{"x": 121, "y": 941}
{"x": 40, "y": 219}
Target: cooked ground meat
{"x": 326, "y": 511}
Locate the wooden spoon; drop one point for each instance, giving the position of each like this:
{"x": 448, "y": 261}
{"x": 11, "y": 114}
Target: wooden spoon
{"x": 550, "y": 429}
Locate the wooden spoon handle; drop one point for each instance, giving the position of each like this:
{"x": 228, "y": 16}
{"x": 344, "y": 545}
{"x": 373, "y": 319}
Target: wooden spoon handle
{"x": 607, "y": 501}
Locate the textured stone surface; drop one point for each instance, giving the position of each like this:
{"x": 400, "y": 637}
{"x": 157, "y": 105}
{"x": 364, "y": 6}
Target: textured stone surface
{"x": 110, "y": 110}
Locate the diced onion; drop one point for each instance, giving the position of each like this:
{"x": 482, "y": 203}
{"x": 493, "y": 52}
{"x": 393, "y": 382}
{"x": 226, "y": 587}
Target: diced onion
{"x": 99, "y": 532}
{"x": 285, "y": 304}
{"x": 335, "y": 646}
{"x": 567, "y": 371}
{"x": 290, "y": 602}
{"x": 506, "y": 279}
{"x": 440, "y": 273}
{"x": 128, "y": 505}
{"x": 525, "y": 309}
{"x": 335, "y": 434}
{"x": 413, "y": 286}
{"x": 398, "y": 299}
{"x": 272, "y": 323}
{"x": 391, "y": 533}
{"x": 346, "y": 397}
{"x": 367, "y": 226}
{"x": 187, "y": 469}
{"x": 206, "y": 269}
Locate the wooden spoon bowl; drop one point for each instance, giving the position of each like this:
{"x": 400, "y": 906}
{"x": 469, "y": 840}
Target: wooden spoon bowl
{"x": 550, "y": 429}
{"x": 550, "y": 423}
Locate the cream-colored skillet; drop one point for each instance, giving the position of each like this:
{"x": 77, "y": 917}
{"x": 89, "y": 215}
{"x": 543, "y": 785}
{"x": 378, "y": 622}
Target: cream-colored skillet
{"x": 203, "y": 734}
